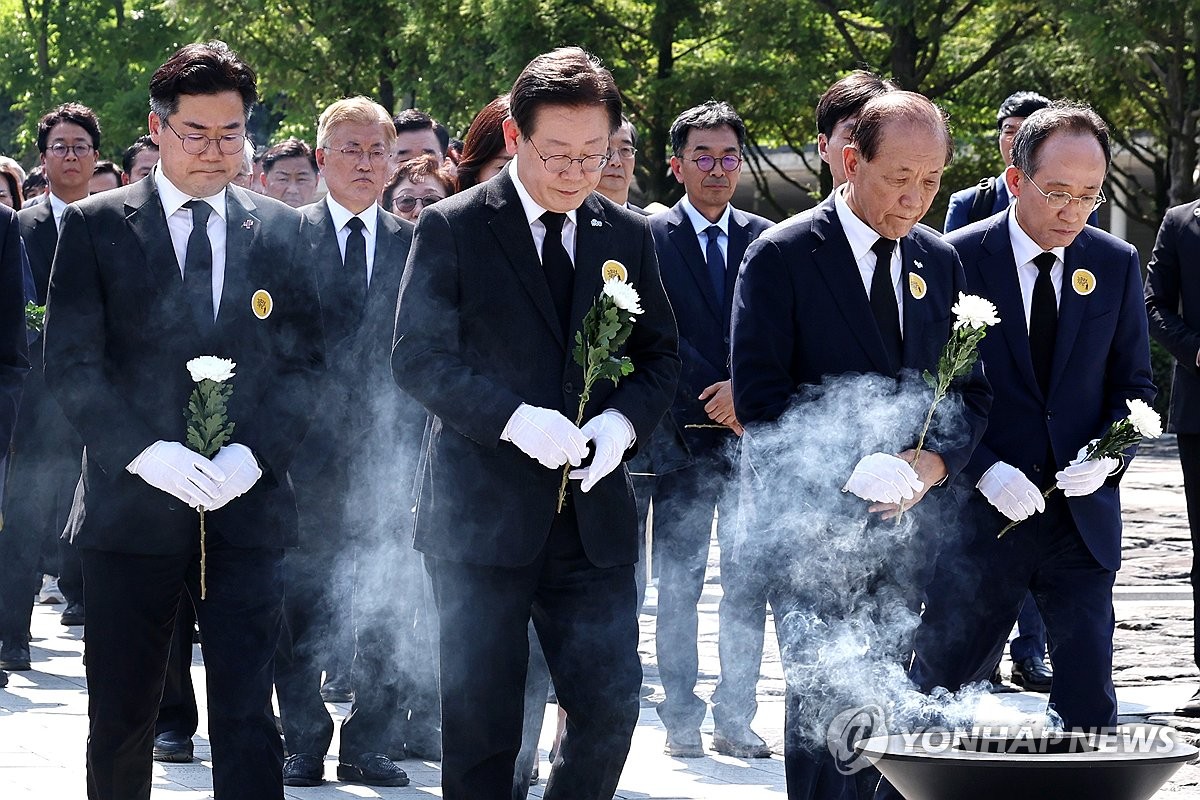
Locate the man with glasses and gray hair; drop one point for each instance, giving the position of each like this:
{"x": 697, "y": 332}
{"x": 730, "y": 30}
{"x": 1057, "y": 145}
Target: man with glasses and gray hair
{"x": 700, "y": 243}
{"x": 495, "y": 289}
{"x": 1070, "y": 350}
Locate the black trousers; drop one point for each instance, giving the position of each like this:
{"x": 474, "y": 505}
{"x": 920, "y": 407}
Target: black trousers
{"x": 131, "y": 607}
{"x": 177, "y": 712}
{"x": 1189, "y": 459}
{"x": 586, "y": 620}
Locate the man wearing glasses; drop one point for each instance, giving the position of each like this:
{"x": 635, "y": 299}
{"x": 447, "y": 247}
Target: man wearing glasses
{"x": 1070, "y": 350}
{"x": 45, "y": 464}
{"x": 700, "y": 243}
{"x": 495, "y": 288}
{"x": 146, "y": 278}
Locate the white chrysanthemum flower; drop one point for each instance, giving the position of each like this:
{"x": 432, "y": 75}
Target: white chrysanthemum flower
{"x": 1144, "y": 419}
{"x": 211, "y": 368}
{"x": 623, "y": 295}
{"x": 974, "y": 311}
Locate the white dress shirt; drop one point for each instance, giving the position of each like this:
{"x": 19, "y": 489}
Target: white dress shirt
{"x": 341, "y": 215}
{"x": 57, "y": 207}
{"x": 701, "y": 224}
{"x": 1024, "y": 251}
{"x": 533, "y": 213}
{"x": 179, "y": 223}
{"x": 862, "y": 237}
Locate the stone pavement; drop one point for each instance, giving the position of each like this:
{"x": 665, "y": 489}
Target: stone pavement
{"x": 43, "y": 713}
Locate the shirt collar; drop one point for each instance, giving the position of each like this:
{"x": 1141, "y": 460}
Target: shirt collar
{"x": 532, "y": 210}
{"x": 57, "y": 207}
{"x": 700, "y": 222}
{"x": 173, "y": 198}
{"x": 860, "y": 235}
{"x": 341, "y": 215}
{"x": 1024, "y": 248}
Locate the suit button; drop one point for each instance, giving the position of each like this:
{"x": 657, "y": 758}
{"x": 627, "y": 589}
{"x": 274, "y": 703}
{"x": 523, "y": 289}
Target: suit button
{"x": 726, "y": 340}
{"x": 1049, "y": 414}
{"x": 569, "y": 387}
{"x": 1036, "y": 468}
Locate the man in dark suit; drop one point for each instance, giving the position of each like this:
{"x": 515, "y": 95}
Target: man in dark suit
{"x": 1173, "y": 304}
{"x": 148, "y": 277}
{"x": 812, "y": 304}
{"x": 700, "y": 243}
{"x": 1070, "y": 350}
{"x": 497, "y": 284}
{"x": 45, "y": 464}
{"x": 14, "y": 348}
{"x": 358, "y": 251}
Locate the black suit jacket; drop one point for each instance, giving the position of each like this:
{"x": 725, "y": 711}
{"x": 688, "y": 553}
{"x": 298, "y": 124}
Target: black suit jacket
{"x": 119, "y": 334}
{"x": 477, "y": 334}
{"x": 41, "y": 238}
{"x": 1173, "y": 304}
{"x": 703, "y": 317}
{"x": 801, "y": 315}
{"x": 14, "y": 349}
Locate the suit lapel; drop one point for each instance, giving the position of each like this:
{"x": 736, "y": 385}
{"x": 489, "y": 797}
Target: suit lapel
{"x": 147, "y": 220}
{"x": 836, "y": 265}
{"x": 590, "y": 256}
{"x": 683, "y": 236}
{"x": 739, "y": 240}
{"x": 1071, "y": 305}
{"x": 916, "y": 311}
{"x": 998, "y": 270}
{"x": 511, "y": 230}
{"x": 241, "y": 229}
{"x": 388, "y": 264}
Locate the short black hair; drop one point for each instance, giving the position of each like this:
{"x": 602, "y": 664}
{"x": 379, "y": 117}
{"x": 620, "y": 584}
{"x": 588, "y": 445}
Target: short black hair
{"x": 1020, "y": 104}
{"x": 633, "y": 135}
{"x": 143, "y": 142}
{"x": 413, "y": 119}
{"x": 1061, "y": 115}
{"x": 199, "y": 69}
{"x": 289, "y": 148}
{"x": 75, "y": 113}
{"x": 706, "y": 116}
{"x": 845, "y": 98}
{"x": 106, "y": 167}
{"x": 568, "y": 76}
{"x": 35, "y": 181}
{"x": 892, "y": 106}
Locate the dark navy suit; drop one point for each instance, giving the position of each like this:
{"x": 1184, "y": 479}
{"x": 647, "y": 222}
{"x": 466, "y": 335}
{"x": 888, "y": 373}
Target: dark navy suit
{"x": 801, "y": 316}
{"x": 959, "y": 208}
{"x": 684, "y": 499}
{"x": 1069, "y": 555}
{"x": 1173, "y": 303}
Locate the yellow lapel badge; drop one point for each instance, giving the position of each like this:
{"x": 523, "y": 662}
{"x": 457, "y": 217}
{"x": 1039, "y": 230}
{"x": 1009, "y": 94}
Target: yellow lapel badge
{"x": 614, "y": 269}
{"x": 1083, "y": 282}
{"x": 262, "y": 304}
{"x": 916, "y": 285}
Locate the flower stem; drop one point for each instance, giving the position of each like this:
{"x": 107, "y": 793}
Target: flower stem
{"x": 588, "y": 379}
{"x": 937, "y": 398}
{"x": 1015, "y": 523}
{"x": 203, "y": 560}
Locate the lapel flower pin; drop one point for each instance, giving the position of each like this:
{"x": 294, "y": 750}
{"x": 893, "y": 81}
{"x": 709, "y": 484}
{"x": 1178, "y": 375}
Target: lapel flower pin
{"x": 596, "y": 223}
{"x": 918, "y": 264}
{"x": 248, "y": 224}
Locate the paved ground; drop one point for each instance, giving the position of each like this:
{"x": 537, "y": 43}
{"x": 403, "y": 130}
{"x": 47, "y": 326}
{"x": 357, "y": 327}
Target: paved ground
{"x": 43, "y": 713}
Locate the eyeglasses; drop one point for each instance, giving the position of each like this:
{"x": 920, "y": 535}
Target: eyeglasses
{"x": 60, "y": 150}
{"x": 624, "y": 153}
{"x": 407, "y": 204}
{"x": 557, "y": 164}
{"x": 706, "y": 163}
{"x": 195, "y": 144}
{"x": 1057, "y": 200}
{"x": 356, "y": 153}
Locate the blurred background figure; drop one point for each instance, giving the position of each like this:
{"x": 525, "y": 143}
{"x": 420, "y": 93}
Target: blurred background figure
{"x": 416, "y": 184}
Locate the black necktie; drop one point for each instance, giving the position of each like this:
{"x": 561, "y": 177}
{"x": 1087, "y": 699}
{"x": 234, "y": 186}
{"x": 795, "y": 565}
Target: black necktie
{"x": 1043, "y": 321}
{"x": 197, "y": 263}
{"x": 560, "y": 272}
{"x": 716, "y": 262}
{"x": 356, "y": 264}
{"x": 883, "y": 301}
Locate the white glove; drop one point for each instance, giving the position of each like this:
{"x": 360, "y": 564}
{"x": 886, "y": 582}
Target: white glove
{"x": 883, "y": 478}
{"x": 1084, "y": 477}
{"x": 241, "y": 473}
{"x": 546, "y": 435}
{"x": 1013, "y": 495}
{"x": 180, "y": 472}
{"x": 612, "y": 434}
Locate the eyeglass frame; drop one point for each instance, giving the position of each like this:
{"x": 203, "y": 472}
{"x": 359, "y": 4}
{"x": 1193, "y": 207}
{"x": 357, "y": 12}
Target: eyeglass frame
{"x": 618, "y": 152}
{"x": 373, "y": 156}
{"x": 73, "y": 149}
{"x": 208, "y": 141}
{"x": 1098, "y": 199}
{"x": 716, "y": 160}
{"x": 426, "y": 202}
{"x": 604, "y": 159}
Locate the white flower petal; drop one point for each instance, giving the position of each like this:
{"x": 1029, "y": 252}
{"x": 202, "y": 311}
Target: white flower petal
{"x": 1145, "y": 419}
{"x": 624, "y": 296}
{"x": 211, "y": 368}
{"x": 975, "y": 311}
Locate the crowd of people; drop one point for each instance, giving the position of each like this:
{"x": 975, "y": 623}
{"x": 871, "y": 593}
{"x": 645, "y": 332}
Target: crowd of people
{"x": 381, "y": 518}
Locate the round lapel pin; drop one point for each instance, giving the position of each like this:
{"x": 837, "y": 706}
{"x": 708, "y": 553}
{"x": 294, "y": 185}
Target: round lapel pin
{"x": 916, "y": 285}
{"x": 261, "y": 304}
{"x": 614, "y": 269}
{"x": 1083, "y": 282}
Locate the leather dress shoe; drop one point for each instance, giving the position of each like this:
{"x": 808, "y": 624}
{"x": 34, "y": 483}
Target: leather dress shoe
{"x": 303, "y": 769}
{"x": 1189, "y": 709}
{"x": 373, "y": 769}
{"x": 684, "y": 744}
{"x": 15, "y": 656}
{"x": 1032, "y": 674}
{"x": 72, "y": 615}
{"x": 173, "y": 747}
{"x": 740, "y": 742}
